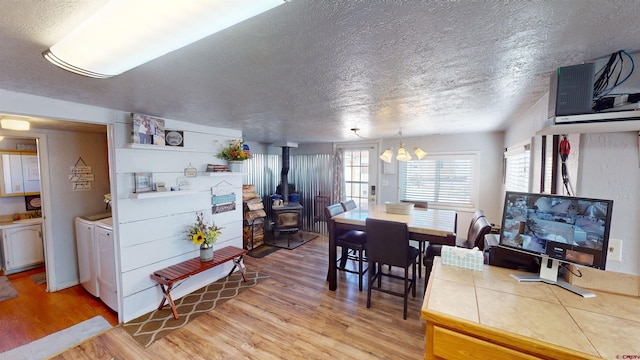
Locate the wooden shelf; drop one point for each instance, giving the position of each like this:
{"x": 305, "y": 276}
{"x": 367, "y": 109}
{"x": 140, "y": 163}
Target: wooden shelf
{"x": 222, "y": 173}
{"x": 590, "y": 127}
{"x": 158, "y": 147}
{"x": 156, "y": 194}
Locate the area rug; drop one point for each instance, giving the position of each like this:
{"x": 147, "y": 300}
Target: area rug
{"x": 153, "y": 326}
{"x": 39, "y": 278}
{"x": 58, "y": 342}
{"x": 290, "y": 240}
{"x": 7, "y": 291}
{"x": 263, "y": 250}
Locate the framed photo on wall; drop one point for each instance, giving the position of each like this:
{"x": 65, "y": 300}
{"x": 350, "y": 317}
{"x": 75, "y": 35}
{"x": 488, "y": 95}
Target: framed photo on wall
{"x": 143, "y": 182}
{"x": 147, "y": 130}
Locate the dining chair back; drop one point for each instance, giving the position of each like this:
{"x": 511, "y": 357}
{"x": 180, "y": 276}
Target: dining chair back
{"x": 478, "y": 227}
{"x": 388, "y": 244}
{"x": 353, "y": 244}
{"x": 349, "y": 205}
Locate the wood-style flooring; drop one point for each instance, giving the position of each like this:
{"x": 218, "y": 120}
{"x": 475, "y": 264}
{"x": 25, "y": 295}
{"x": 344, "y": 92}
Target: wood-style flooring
{"x": 291, "y": 315}
{"x": 36, "y": 313}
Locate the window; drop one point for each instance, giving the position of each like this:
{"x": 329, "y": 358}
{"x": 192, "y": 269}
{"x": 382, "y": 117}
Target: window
{"x": 517, "y": 168}
{"x": 356, "y": 176}
{"x": 444, "y": 180}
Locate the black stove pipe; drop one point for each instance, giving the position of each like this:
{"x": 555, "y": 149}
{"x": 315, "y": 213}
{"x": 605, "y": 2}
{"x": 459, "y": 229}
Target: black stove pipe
{"x": 283, "y": 174}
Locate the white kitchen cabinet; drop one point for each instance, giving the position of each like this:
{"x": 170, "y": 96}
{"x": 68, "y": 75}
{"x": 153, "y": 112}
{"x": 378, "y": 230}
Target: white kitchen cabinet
{"x": 20, "y": 174}
{"x": 22, "y": 248}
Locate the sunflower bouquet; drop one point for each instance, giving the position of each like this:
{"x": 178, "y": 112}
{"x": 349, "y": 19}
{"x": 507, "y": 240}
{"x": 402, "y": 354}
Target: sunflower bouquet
{"x": 203, "y": 233}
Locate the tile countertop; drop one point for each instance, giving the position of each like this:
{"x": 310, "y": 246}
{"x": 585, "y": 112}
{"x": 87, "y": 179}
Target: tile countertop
{"x": 604, "y": 326}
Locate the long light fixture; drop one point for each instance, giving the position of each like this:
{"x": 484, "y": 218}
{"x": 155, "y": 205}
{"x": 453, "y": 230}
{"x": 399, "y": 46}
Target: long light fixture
{"x": 124, "y": 34}
{"x": 14, "y": 124}
{"x": 403, "y": 154}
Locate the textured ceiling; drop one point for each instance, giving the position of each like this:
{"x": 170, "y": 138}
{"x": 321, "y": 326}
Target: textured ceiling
{"x": 310, "y": 70}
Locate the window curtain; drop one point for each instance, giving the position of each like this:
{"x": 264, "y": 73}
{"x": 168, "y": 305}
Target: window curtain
{"x": 338, "y": 176}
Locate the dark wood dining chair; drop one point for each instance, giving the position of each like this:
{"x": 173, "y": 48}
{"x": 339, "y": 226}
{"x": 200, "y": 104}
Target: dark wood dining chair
{"x": 478, "y": 228}
{"x": 353, "y": 244}
{"x": 388, "y": 243}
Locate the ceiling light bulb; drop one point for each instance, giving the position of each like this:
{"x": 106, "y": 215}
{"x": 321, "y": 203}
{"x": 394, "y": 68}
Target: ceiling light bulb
{"x": 419, "y": 153}
{"x": 386, "y": 155}
{"x": 403, "y": 155}
{"x": 12, "y": 124}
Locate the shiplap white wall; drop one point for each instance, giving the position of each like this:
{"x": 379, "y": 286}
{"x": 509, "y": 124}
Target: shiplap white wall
{"x": 151, "y": 233}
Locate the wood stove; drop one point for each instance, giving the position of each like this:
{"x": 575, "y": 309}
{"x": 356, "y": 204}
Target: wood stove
{"x": 287, "y": 217}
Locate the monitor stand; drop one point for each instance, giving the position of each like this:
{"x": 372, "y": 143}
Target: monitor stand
{"x": 549, "y": 274}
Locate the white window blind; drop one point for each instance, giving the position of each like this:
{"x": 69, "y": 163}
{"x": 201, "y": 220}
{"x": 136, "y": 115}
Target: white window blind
{"x": 517, "y": 172}
{"x": 444, "y": 180}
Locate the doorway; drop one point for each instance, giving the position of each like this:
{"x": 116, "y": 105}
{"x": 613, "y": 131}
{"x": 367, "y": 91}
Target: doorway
{"x": 60, "y": 145}
{"x": 360, "y": 173}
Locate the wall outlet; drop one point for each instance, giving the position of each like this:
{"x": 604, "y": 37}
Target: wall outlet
{"x": 615, "y": 250}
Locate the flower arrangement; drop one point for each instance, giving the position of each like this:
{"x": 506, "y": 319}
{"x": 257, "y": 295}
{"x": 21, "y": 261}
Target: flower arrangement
{"x": 202, "y": 233}
{"x": 235, "y": 151}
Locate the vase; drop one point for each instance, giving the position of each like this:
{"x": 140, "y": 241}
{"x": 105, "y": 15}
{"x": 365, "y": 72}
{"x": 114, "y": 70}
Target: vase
{"x": 235, "y": 166}
{"x": 206, "y": 252}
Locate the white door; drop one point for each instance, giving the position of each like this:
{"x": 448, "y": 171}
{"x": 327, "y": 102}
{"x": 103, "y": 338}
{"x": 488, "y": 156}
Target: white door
{"x": 360, "y": 173}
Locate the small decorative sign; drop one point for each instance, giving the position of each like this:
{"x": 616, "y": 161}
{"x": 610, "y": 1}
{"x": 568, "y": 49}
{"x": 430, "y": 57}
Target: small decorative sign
{"x": 223, "y": 198}
{"x": 190, "y": 171}
{"x": 174, "y": 138}
{"x": 216, "y": 209}
{"x": 81, "y": 176}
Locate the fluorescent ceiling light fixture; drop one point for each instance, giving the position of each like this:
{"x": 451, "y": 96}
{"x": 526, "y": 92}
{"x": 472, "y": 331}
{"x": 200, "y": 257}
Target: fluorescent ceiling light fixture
{"x": 127, "y": 33}
{"x": 12, "y": 124}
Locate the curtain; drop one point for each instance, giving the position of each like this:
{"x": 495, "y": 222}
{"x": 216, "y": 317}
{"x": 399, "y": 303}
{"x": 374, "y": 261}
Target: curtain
{"x": 338, "y": 177}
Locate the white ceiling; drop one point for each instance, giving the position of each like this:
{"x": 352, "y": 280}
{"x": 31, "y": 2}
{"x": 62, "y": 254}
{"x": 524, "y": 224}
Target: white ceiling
{"x": 310, "y": 70}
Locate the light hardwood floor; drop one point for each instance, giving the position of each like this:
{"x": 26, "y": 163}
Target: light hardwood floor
{"x": 36, "y": 313}
{"x": 291, "y": 315}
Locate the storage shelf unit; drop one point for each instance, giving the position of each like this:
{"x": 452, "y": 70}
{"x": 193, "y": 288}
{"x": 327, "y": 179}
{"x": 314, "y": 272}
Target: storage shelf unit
{"x": 157, "y": 194}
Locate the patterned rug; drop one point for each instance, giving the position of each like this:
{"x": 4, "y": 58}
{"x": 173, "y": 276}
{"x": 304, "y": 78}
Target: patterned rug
{"x": 153, "y": 326}
{"x": 7, "y": 291}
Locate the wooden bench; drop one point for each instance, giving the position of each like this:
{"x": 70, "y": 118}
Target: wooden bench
{"x": 172, "y": 276}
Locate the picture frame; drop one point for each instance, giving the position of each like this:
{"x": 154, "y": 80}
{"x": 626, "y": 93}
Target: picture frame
{"x": 174, "y": 138}
{"x": 143, "y": 182}
{"x": 33, "y": 202}
{"x": 147, "y": 130}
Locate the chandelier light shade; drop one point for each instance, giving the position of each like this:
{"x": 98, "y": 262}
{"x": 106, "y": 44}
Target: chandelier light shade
{"x": 403, "y": 154}
{"x": 124, "y": 34}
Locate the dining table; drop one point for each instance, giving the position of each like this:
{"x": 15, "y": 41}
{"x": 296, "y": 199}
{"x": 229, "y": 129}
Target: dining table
{"x": 425, "y": 225}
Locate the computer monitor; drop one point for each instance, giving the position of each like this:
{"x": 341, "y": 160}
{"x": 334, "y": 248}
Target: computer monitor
{"x": 559, "y": 229}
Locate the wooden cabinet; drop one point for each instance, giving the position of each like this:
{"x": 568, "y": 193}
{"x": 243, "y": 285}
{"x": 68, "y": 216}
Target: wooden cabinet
{"x": 20, "y": 173}
{"x": 22, "y": 248}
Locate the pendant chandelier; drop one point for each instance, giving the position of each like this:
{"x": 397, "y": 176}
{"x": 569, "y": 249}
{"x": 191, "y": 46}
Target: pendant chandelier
{"x": 403, "y": 154}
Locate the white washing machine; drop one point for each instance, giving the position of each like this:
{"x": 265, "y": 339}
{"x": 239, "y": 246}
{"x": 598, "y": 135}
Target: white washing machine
{"x": 87, "y": 251}
{"x": 106, "y": 263}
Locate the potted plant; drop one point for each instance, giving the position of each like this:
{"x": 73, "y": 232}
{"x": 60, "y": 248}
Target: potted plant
{"x": 205, "y": 235}
{"x": 235, "y": 153}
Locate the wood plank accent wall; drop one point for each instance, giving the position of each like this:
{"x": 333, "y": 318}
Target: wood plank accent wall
{"x": 151, "y": 232}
